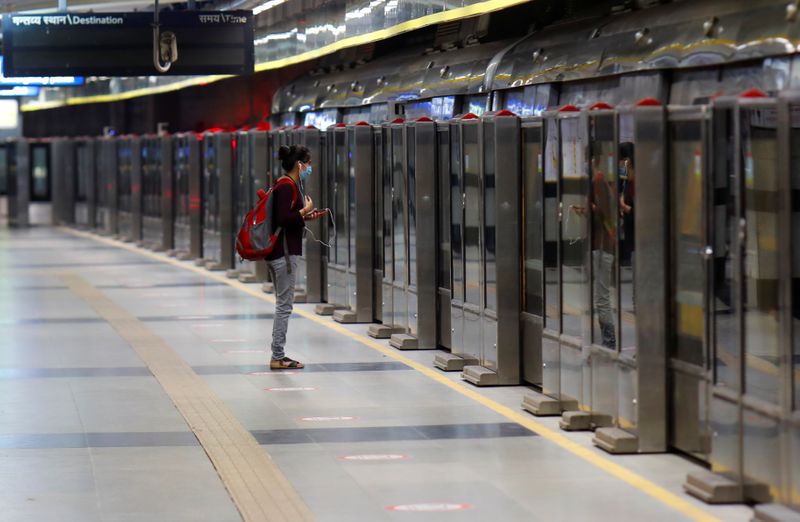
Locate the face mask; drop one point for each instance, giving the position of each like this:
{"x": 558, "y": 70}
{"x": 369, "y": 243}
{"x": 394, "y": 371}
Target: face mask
{"x": 305, "y": 173}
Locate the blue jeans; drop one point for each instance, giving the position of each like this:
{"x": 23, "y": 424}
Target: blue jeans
{"x": 284, "y": 301}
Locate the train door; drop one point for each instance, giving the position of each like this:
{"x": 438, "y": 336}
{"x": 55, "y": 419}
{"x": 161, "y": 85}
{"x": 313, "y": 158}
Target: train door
{"x": 63, "y": 181}
{"x": 181, "y": 161}
{"x": 354, "y": 199}
{"x": 40, "y": 198}
{"x": 497, "y": 298}
{"x": 444, "y": 259}
{"x": 379, "y": 161}
{"x": 567, "y": 328}
{"x": 383, "y": 224}
{"x": 691, "y": 256}
{"x": 124, "y": 161}
{"x": 218, "y": 241}
{"x": 335, "y": 199}
{"x": 153, "y": 167}
{"x": 537, "y": 232}
{"x": 748, "y": 403}
{"x": 86, "y": 202}
{"x": 166, "y": 191}
{"x": 454, "y": 309}
{"x": 259, "y": 179}
{"x": 242, "y": 200}
{"x": 107, "y": 187}
{"x": 313, "y": 251}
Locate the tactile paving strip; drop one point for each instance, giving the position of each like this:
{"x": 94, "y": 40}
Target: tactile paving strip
{"x": 256, "y": 485}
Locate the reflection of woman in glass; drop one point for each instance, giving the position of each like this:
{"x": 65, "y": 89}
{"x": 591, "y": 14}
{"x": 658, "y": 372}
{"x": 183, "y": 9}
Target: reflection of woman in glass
{"x": 626, "y": 196}
{"x": 604, "y": 238}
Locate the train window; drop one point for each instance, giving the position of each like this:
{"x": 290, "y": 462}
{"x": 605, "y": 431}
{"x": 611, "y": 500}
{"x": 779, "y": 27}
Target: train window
{"x": 514, "y": 101}
{"x": 418, "y": 109}
{"x": 530, "y": 101}
{"x": 456, "y": 213}
{"x": 355, "y": 115}
{"x": 378, "y": 112}
{"x": 398, "y": 206}
{"x": 532, "y": 171}
{"x": 321, "y": 119}
{"x": 552, "y": 296}
{"x": 574, "y": 228}
{"x": 40, "y": 173}
{"x": 472, "y": 215}
{"x": 489, "y": 217}
{"x": 688, "y": 241}
{"x": 760, "y": 303}
{"x": 604, "y": 221}
{"x": 443, "y": 107}
{"x": 476, "y": 104}
{"x": 412, "y": 208}
{"x": 3, "y": 170}
{"x": 794, "y": 166}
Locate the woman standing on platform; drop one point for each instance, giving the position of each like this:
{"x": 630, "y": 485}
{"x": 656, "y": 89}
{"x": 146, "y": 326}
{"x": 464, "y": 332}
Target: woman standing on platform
{"x": 291, "y": 208}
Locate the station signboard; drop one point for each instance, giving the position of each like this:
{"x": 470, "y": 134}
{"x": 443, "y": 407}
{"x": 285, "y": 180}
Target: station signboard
{"x": 121, "y": 44}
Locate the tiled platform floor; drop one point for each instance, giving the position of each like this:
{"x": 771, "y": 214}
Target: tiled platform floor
{"x": 87, "y": 433}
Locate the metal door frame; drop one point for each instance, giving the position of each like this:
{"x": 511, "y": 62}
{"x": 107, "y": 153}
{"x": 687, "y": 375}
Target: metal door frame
{"x": 531, "y": 326}
{"x": 702, "y": 374}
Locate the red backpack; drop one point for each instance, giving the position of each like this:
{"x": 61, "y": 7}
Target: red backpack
{"x": 255, "y": 240}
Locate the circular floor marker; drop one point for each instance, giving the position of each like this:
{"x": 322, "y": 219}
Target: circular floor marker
{"x": 373, "y": 457}
{"x": 431, "y": 507}
{"x": 291, "y": 389}
{"x": 328, "y": 419}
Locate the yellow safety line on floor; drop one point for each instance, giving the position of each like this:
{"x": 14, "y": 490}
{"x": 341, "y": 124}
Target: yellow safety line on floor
{"x": 258, "y": 488}
{"x": 590, "y": 455}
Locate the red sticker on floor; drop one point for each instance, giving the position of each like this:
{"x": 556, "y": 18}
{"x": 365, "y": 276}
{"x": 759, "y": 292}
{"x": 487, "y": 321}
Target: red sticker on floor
{"x": 377, "y": 456}
{"x": 328, "y": 419}
{"x": 292, "y": 389}
{"x": 430, "y": 507}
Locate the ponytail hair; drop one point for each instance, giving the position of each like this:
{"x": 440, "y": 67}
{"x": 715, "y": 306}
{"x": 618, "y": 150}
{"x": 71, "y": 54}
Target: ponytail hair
{"x": 289, "y": 156}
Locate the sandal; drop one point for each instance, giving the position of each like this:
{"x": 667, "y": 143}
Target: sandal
{"x": 285, "y": 364}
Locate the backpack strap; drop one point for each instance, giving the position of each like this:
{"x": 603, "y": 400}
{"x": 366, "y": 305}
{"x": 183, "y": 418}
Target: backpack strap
{"x": 295, "y": 194}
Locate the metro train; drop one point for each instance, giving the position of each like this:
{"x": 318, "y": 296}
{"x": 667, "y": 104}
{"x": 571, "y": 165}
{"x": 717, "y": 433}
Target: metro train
{"x": 596, "y": 211}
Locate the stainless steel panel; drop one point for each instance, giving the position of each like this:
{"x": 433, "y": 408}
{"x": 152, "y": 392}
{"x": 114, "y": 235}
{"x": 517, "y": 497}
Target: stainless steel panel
{"x": 361, "y": 190}
{"x": 507, "y": 232}
{"x": 489, "y": 350}
{"x": 630, "y": 415}
{"x": 314, "y": 188}
{"x": 473, "y": 334}
{"x": 725, "y": 431}
{"x": 689, "y": 413}
{"x": 424, "y": 247}
{"x": 604, "y": 383}
{"x": 444, "y": 322}
{"x": 762, "y": 456}
{"x": 444, "y": 259}
{"x": 531, "y": 341}
{"x": 399, "y": 230}
{"x": 650, "y": 275}
{"x": 572, "y": 366}
{"x": 152, "y": 188}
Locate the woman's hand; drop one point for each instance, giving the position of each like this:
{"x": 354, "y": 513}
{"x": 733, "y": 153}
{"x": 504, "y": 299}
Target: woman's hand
{"x": 309, "y": 206}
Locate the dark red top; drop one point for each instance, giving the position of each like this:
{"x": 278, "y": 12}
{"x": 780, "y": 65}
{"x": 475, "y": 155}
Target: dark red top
{"x": 286, "y": 215}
